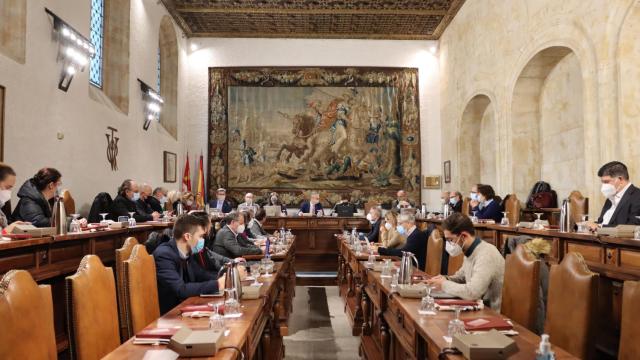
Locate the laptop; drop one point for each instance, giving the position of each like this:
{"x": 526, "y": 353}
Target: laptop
{"x": 272, "y": 210}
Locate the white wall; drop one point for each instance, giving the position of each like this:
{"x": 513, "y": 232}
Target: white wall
{"x": 36, "y": 110}
{"x": 302, "y": 52}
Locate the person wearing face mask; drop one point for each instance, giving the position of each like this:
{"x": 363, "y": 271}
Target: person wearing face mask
{"x": 482, "y": 272}
{"x": 125, "y": 203}
{"x": 490, "y": 209}
{"x": 221, "y": 202}
{"x": 474, "y": 197}
{"x": 416, "y": 240}
{"x": 142, "y": 206}
{"x": 623, "y": 198}
{"x": 455, "y": 201}
{"x": 229, "y": 241}
{"x": 273, "y": 200}
{"x": 207, "y": 258}
{"x": 249, "y": 203}
{"x": 157, "y": 199}
{"x": 7, "y": 182}
{"x": 402, "y": 201}
{"x": 36, "y": 196}
{"x": 375, "y": 219}
{"x": 187, "y": 200}
{"x": 389, "y": 235}
{"x": 178, "y": 275}
{"x": 312, "y": 206}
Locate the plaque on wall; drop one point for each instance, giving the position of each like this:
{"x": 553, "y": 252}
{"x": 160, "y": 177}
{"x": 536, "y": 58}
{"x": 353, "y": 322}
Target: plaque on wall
{"x": 432, "y": 182}
{"x": 331, "y": 130}
{"x": 170, "y": 168}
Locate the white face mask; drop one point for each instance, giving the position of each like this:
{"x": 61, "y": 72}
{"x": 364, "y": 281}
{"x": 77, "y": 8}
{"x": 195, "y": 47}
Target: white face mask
{"x": 369, "y": 217}
{"x": 388, "y": 226}
{"x": 5, "y": 195}
{"x": 608, "y": 190}
{"x": 189, "y": 202}
{"x": 240, "y": 229}
{"x": 453, "y": 249}
{"x": 248, "y": 201}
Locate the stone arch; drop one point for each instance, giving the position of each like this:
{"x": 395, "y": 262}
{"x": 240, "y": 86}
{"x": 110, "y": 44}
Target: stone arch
{"x": 547, "y": 123}
{"x": 477, "y": 143}
{"x": 13, "y": 32}
{"x": 168, "y": 45}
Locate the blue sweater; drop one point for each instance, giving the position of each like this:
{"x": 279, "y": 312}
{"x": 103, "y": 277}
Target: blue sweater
{"x": 490, "y": 211}
{"x": 416, "y": 244}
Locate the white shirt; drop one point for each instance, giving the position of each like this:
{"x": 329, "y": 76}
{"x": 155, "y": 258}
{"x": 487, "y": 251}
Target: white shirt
{"x": 615, "y": 200}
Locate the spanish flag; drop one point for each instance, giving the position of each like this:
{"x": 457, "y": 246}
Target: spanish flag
{"x": 186, "y": 178}
{"x": 200, "y": 194}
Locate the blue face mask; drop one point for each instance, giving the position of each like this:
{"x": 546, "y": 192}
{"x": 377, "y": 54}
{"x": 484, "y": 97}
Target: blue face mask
{"x": 199, "y": 246}
{"x": 474, "y": 196}
{"x": 401, "y": 230}
{"x": 136, "y": 196}
{"x": 453, "y": 201}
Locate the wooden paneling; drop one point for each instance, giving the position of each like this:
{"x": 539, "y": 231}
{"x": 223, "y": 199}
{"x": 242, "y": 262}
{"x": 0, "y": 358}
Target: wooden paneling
{"x": 593, "y": 253}
{"x": 630, "y": 258}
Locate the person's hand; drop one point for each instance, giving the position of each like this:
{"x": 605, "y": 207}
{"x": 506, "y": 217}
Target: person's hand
{"x": 592, "y": 226}
{"x": 437, "y": 281}
{"x": 243, "y": 272}
{"x": 474, "y": 203}
{"x": 155, "y": 215}
{"x": 10, "y": 227}
{"x": 83, "y": 222}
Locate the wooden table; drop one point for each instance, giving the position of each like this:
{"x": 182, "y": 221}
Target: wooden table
{"x": 258, "y": 333}
{"x": 391, "y": 327}
{"x": 614, "y": 259}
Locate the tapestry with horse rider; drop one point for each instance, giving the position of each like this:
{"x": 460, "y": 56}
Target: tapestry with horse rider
{"x": 332, "y": 130}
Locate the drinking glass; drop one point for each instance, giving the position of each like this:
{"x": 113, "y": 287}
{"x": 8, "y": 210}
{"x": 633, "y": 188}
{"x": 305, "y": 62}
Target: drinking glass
{"x": 428, "y": 304}
{"x": 216, "y": 321}
{"x": 394, "y": 282}
{"x": 505, "y": 219}
{"x": 386, "y": 269}
{"x": 456, "y": 326}
{"x": 165, "y": 216}
{"x": 537, "y": 224}
{"x": 636, "y": 233}
{"x": 371, "y": 260}
{"x": 474, "y": 218}
{"x": 231, "y": 303}
{"x": 104, "y": 218}
{"x": 132, "y": 220}
{"x": 75, "y": 224}
{"x": 255, "y": 273}
{"x": 267, "y": 266}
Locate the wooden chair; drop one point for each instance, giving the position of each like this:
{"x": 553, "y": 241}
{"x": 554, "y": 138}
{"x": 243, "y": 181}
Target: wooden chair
{"x": 520, "y": 290}
{"x": 629, "y": 329}
{"x": 123, "y": 255}
{"x": 578, "y": 205}
{"x": 26, "y": 310}
{"x": 512, "y": 207}
{"x": 435, "y": 247}
{"x": 69, "y": 203}
{"x": 141, "y": 289}
{"x": 92, "y": 312}
{"x": 455, "y": 263}
{"x": 466, "y": 206}
{"x": 571, "y": 306}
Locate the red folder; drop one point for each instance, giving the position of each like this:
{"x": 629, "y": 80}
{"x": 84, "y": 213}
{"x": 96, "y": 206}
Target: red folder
{"x": 487, "y": 323}
{"x": 206, "y": 307}
{"x": 157, "y": 333}
{"x": 453, "y": 302}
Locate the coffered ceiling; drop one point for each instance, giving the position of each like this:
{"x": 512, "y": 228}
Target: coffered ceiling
{"x": 353, "y": 19}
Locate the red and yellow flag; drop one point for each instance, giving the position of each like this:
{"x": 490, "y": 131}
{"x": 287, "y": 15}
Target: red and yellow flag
{"x": 186, "y": 178}
{"x": 200, "y": 198}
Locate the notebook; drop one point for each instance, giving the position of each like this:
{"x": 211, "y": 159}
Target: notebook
{"x": 487, "y": 323}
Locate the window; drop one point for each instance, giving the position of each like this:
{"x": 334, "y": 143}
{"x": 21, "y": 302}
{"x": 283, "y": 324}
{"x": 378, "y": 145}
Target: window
{"x": 96, "y": 37}
{"x": 158, "y": 68}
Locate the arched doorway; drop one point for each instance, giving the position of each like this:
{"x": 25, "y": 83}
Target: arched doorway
{"x": 477, "y": 143}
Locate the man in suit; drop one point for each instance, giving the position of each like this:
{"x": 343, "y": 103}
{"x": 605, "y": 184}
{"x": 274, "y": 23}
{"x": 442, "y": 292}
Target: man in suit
{"x": 623, "y": 199}
{"x": 402, "y": 201}
{"x": 249, "y": 203}
{"x": 416, "y": 240}
{"x": 142, "y": 206}
{"x": 455, "y": 200}
{"x": 228, "y": 241}
{"x": 157, "y": 199}
{"x": 375, "y": 219}
{"x": 220, "y": 202}
{"x": 178, "y": 275}
{"x": 125, "y": 203}
{"x": 312, "y": 206}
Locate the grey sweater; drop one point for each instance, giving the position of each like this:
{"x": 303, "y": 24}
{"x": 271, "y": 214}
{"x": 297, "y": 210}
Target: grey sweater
{"x": 480, "y": 276}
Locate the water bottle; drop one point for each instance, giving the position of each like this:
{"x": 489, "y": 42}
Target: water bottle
{"x": 544, "y": 349}
{"x": 267, "y": 246}
{"x": 354, "y": 236}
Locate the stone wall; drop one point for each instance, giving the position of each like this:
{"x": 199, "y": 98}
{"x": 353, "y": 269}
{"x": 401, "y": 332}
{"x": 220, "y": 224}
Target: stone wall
{"x": 562, "y": 78}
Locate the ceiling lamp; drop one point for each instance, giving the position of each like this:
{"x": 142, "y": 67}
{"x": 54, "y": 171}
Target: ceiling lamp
{"x": 152, "y": 102}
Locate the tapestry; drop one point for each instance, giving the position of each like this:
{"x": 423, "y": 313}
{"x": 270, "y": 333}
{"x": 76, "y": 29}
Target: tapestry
{"x": 331, "y": 130}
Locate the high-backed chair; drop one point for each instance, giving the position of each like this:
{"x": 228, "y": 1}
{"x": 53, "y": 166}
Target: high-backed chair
{"x": 454, "y": 264}
{"x": 512, "y": 207}
{"x": 578, "y": 205}
{"x": 141, "y": 289}
{"x": 465, "y": 206}
{"x": 92, "y": 312}
{"x": 69, "y": 203}
{"x": 520, "y": 290}
{"x": 571, "y": 306}
{"x": 26, "y": 310}
{"x": 629, "y": 329}
{"x": 435, "y": 247}
{"x": 123, "y": 255}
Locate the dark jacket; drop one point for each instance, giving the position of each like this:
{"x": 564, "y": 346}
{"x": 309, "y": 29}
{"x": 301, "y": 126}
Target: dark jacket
{"x": 154, "y": 204}
{"x": 374, "y": 234}
{"x": 416, "y": 244}
{"x": 457, "y": 207}
{"x": 32, "y": 207}
{"x": 210, "y": 260}
{"x": 626, "y": 211}
{"x": 489, "y": 212}
{"x": 304, "y": 208}
{"x": 345, "y": 208}
{"x": 178, "y": 278}
{"x": 102, "y": 203}
{"x": 232, "y": 246}
{"x": 226, "y": 205}
{"x": 122, "y": 207}
{"x": 143, "y": 208}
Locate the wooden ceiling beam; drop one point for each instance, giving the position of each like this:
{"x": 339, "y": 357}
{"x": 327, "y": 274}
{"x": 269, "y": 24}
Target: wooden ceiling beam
{"x": 203, "y": 10}
{"x": 295, "y": 35}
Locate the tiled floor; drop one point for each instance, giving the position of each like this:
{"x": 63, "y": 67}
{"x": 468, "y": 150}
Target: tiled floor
{"x": 318, "y": 327}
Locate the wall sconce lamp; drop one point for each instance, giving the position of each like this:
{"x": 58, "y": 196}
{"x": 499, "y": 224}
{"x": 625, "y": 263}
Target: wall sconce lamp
{"x": 152, "y": 104}
{"x": 74, "y": 50}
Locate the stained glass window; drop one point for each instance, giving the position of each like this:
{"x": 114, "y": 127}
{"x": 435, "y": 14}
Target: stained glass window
{"x": 96, "y": 36}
